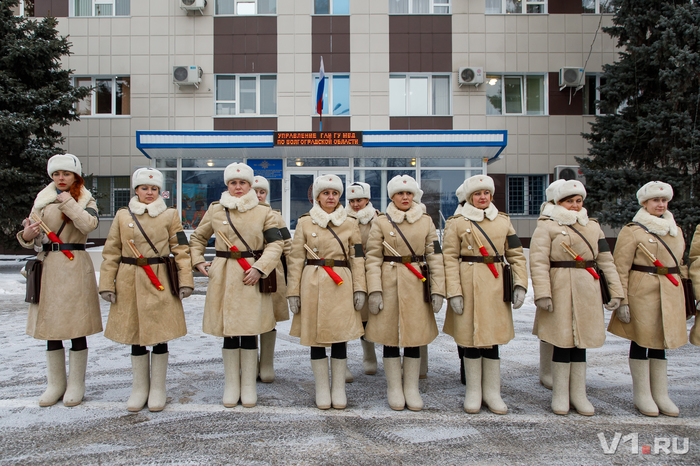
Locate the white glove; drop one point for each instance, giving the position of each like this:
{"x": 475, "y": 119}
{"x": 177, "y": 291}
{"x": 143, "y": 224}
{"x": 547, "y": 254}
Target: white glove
{"x": 436, "y": 300}
{"x": 185, "y": 292}
{"x": 108, "y": 296}
{"x": 358, "y": 299}
{"x": 294, "y": 304}
{"x": 376, "y": 302}
{"x": 623, "y": 313}
{"x": 457, "y": 304}
{"x": 613, "y": 304}
{"x": 518, "y": 297}
{"x": 545, "y": 303}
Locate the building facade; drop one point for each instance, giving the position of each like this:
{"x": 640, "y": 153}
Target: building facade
{"x": 438, "y": 89}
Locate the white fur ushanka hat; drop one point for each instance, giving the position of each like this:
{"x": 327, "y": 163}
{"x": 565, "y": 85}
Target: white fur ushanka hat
{"x": 148, "y": 176}
{"x": 568, "y": 188}
{"x": 359, "y": 190}
{"x": 260, "y": 182}
{"x": 66, "y": 162}
{"x": 324, "y": 182}
{"x": 238, "y": 171}
{"x": 401, "y": 183}
{"x": 654, "y": 189}
{"x": 477, "y": 183}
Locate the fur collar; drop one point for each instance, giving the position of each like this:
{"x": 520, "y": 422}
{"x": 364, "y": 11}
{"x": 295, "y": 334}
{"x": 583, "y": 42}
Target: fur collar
{"x": 48, "y": 195}
{"x": 661, "y": 226}
{"x": 154, "y": 209}
{"x": 564, "y": 216}
{"x": 243, "y": 203}
{"x": 411, "y": 215}
{"x": 364, "y": 216}
{"x": 321, "y": 217}
{"x": 477, "y": 215}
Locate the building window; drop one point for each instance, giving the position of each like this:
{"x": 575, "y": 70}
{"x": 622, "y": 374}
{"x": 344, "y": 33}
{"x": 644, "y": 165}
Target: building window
{"x": 496, "y": 7}
{"x": 111, "y": 193}
{"x": 110, "y": 96}
{"x": 246, "y": 95}
{"x": 246, "y": 7}
{"x": 419, "y": 95}
{"x": 336, "y": 95}
{"x": 516, "y": 95}
{"x": 526, "y": 194}
{"x": 591, "y": 95}
{"x": 419, "y": 7}
{"x": 598, "y": 7}
{"x": 332, "y": 7}
{"x": 100, "y": 8}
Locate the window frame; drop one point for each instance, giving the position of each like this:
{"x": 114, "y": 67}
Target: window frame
{"x": 433, "y": 5}
{"x": 523, "y": 96}
{"x": 329, "y": 88}
{"x": 93, "y": 96}
{"x": 236, "y": 2}
{"x": 113, "y": 208}
{"x": 597, "y": 9}
{"x": 93, "y": 6}
{"x": 330, "y": 9}
{"x": 525, "y": 4}
{"x": 237, "y": 100}
{"x": 596, "y": 88}
{"x": 429, "y": 96}
{"x": 526, "y": 195}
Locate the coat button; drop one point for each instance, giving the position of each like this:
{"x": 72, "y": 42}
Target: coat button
{"x": 313, "y": 222}
{"x": 225, "y": 222}
{"x": 651, "y": 240}
{"x": 131, "y": 225}
{"x": 391, "y": 264}
{"x": 469, "y": 247}
{"x": 563, "y": 232}
{"x": 469, "y": 230}
{"x": 315, "y": 249}
{"x": 313, "y": 234}
{"x": 391, "y": 233}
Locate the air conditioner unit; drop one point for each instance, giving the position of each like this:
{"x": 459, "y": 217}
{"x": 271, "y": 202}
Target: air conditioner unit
{"x": 470, "y": 76}
{"x": 187, "y": 75}
{"x": 193, "y": 5}
{"x": 569, "y": 172}
{"x": 571, "y": 77}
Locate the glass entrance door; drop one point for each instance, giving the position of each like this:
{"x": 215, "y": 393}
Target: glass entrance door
{"x": 298, "y": 192}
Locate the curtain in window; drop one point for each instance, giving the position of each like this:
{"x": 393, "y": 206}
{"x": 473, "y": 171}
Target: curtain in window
{"x": 268, "y": 95}
{"x": 122, "y": 7}
{"x": 441, "y": 95}
{"x": 225, "y": 7}
{"x": 82, "y": 7}
{"x": 421, "y": 6}
{"x": 104, "y": 9}
{"x": 418, "y": 96}
{"x": 398, "y": 6}
{"x": 397, "y": 95}
{"x": 493, "y": 7}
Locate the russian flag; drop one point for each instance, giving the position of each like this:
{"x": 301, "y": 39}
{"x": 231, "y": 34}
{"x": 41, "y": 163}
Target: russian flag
{"x": 319, "y": 94}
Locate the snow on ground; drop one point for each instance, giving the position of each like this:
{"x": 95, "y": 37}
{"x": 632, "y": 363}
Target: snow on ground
{"x": 286, "y": 428}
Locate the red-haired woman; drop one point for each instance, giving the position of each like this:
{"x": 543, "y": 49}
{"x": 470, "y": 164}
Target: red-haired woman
{"x": 69, "y": 211}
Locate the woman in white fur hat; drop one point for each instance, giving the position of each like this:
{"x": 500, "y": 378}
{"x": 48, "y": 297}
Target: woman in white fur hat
{"x": 360, "y": 207}
{"x": 568, "y": 297}
{"x": 399, "y": 315}
{"x": 140, "y": 314}
{"x": 478, "y": 318}
{"x": 69, "y": 211}
{"x": 652, "y": 316}
{"x": 235, "y": 308}
{"x": 279, "y": 297}
{"x": 326, "y": 313}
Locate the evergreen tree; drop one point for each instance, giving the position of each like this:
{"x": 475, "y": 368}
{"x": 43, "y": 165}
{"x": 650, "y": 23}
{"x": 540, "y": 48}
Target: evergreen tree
{"x": 36, "y": 97}
{"x": 654, "y": 135}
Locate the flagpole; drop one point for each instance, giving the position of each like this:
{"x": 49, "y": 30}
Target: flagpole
{"x": 319, "y": 96}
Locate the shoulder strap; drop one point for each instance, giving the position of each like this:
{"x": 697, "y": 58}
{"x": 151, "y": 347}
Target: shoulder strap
{"x": 396, "y": 227}
{"x": 485, "y": 236}
{"x": 63, "y": 225}
{"x": 138, "y": 224}
{"x": 584, "y": 239}
{"x": 228, "y": 217}
{"x": 660, "y": 240}
{"x": 339, "y": 242}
